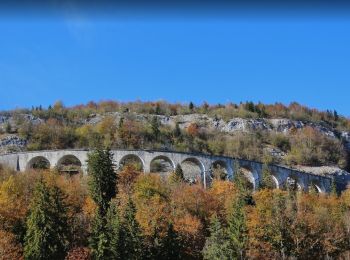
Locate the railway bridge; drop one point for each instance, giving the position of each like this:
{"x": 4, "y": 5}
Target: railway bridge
{"x": 196, "y": 166}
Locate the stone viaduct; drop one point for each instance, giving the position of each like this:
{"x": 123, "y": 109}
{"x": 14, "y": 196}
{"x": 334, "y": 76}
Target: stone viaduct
{"x": 202, "y": 164}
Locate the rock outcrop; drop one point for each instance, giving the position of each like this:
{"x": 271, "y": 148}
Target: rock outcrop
{"x": 12, "y": 143}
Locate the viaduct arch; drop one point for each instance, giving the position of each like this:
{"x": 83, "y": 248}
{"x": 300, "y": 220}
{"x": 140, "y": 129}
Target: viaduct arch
{"x": 281, "y": 176}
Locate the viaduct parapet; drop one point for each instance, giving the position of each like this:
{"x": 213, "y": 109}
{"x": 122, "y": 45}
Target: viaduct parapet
{"x": 202, "y": 163}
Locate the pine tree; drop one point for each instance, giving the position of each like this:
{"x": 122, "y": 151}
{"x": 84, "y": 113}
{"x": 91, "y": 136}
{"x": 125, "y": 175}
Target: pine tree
{"x": 130, "y": 234}
{"x": 8, "y": 128}
{"x": 236, "y": 219}
{"x": 177, "y": 130}
{"x": 113, "y": 231}
{"x": 217, "y": 246}
{"x": 334, "y": 191}
{"x": 105, "y": 237}
{"x": 171, "y": 246}
{"x": 157, "y": 110}
{"x": 191, "y": 106}
{"x": 177, "y": 176}
{"x": 103, "y": 179}
{"x": 47, "y": 227}
{"x": 155, "y": 128}
{"x": 237, "y": 229}
{"x": 266, "y": 180}
{"x": 102, "y": 187}
{"x": 98, "y": 238}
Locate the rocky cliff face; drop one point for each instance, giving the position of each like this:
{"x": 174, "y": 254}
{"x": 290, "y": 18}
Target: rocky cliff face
{"x": 12, "y": 143}
{"x": 281, "y": 125}
{"x": 9, "y": 143}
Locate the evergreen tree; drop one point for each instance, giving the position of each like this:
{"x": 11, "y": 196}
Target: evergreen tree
{"x": 105, "y": 237}
{"x": 130, "y": 234}
{"x": 266, "y": 178}
{"x": 191, "y": 106}
{"x": 113, "y": 231}
{"x": 155, "y": 128}
{"x": 178, "y": 175}
{"x": 237, "y": 229}
{"x": 102, "y": 187}
{"x": 103, "y": 179}
{"x": 334, "y": 191}
{"x": 336, "y": 116}
{"x": 98, "y": 240}
{"x": 8, "y": 128}
{"x": 47, "y": 227}
{"x": 217, "y": 245}
{"x": 157, "y": 110}
{"x": 177, "y": 130}
{"x": 171, "y": 246}
{"x": 236, "y": 219}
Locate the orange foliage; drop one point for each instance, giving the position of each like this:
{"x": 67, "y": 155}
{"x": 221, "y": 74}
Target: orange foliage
{"x": 78, "y": 253}
{"x": 193, "y": 129}
{"x": 222, "y": 192}
{"x": 9, "y": 248}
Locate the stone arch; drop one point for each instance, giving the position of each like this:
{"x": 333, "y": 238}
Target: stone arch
{"x": 274, "y": 181}
{"x": 134, "y": 160}
{"x": 38, "y": 162}
{"x": 314, "y": 186}
{"x": 219, "y": 170}
{"x": 292, "y": 182}
{"x": 69, "y": 164}
{"x": 162, "y": 164}
{"x": 193, "y": 169}
{"x": 250, "y": 179}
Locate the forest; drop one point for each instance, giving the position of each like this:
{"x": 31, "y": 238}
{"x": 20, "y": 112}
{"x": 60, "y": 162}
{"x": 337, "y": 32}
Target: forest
{"x": 126, "y": 214}
{"x": 65, "y": 127}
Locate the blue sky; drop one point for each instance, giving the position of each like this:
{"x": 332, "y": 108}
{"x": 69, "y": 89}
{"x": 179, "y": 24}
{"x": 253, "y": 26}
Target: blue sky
{"x": 76, "y": 57}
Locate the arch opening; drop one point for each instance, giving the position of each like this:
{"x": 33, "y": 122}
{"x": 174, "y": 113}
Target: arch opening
{"x": 218, "y": 170}
{"x": 39, "y": 163}
{"x": 314, "y": 188}
{"x": 162, "y": 164}
{"x": 69, "y": 164}
{"x": 268, "y": 180}
{"x": 292, "y": 183}
{"x": 248, "y": 178}
{"x": 193, "y": 170}
{"x": 133, "y": 161}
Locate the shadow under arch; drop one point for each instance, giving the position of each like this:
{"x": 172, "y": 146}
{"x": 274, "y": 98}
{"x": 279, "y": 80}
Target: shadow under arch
{"x": 270, "y": 179}
{"x": 219, "y": 170}
{"x": 38, "y": 162}
{"x": 162, "y": 164}
{"x": 292, "y": 183}
{"x": 132, "y": 160}
{"x": 314, "y": 186}
{"x": 193, "y": 170}
{"x": 248, "y": 177}
{"x": 69, "y": 164}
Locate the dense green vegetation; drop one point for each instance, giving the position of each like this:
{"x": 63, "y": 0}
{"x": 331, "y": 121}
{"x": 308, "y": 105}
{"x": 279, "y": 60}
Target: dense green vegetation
{"x": 131, "y": 215}
{"x": 65, "y": 128}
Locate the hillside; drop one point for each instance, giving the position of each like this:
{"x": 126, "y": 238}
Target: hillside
{"x": 292, "y": 135}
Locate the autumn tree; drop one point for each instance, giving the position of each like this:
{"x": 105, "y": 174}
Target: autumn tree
{"x": 9, "y": 247}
